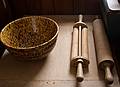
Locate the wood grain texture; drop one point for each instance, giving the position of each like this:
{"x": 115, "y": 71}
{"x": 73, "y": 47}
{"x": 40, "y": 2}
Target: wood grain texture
{"x": 102, "y": 45}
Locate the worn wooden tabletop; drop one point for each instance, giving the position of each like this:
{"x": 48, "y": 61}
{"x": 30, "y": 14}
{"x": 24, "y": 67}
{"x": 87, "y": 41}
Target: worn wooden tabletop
{"x": 55, "y": 70}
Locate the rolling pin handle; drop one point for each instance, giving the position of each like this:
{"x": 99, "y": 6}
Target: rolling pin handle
{"x": 80, "y": 18}
{"x": 108, "y": 75}
{"x": 80, "y": 75}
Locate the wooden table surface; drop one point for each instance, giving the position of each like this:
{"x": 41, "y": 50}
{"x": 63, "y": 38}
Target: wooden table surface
{"x": 55, "y": 70}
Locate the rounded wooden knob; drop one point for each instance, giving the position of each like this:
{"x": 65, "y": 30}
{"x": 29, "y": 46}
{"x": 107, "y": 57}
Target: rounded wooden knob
{"x": 108, "y": 75}
{"x": 80, "y": 75}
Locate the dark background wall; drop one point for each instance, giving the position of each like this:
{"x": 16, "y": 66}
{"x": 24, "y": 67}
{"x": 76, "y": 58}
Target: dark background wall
{"x": 5, "y": 13}
{"x": 19, "y": 8}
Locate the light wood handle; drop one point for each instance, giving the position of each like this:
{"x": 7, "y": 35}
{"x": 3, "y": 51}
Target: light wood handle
{"x": 80, "y": 37}
{"x": 80, "y": 41}
{"x": 79, "y": 74}
{"x": 108, "y": 75}
{"x": 80, "y": 18}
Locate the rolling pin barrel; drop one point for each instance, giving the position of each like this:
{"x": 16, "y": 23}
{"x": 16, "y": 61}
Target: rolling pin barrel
{"x": 85, "y": 44}
{"x": 74, "y": 43}
{"x": 103, "y": 51}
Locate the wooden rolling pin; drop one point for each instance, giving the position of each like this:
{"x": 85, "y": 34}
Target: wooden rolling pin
{"x": 78, "y": 42}
{"x": 103, "y": 51}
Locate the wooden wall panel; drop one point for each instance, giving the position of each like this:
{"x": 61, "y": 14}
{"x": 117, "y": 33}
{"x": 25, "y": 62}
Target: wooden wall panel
{"x": 40, "y": 6}
{"x": 64, "y": 6}
{"x": 47, "y": 7}
{"x": 54, "y": 7}
{"x": 89, "y": 7}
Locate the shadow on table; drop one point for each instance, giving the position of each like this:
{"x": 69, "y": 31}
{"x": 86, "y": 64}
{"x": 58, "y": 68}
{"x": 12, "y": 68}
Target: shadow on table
{"x": 14, "y": 70}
